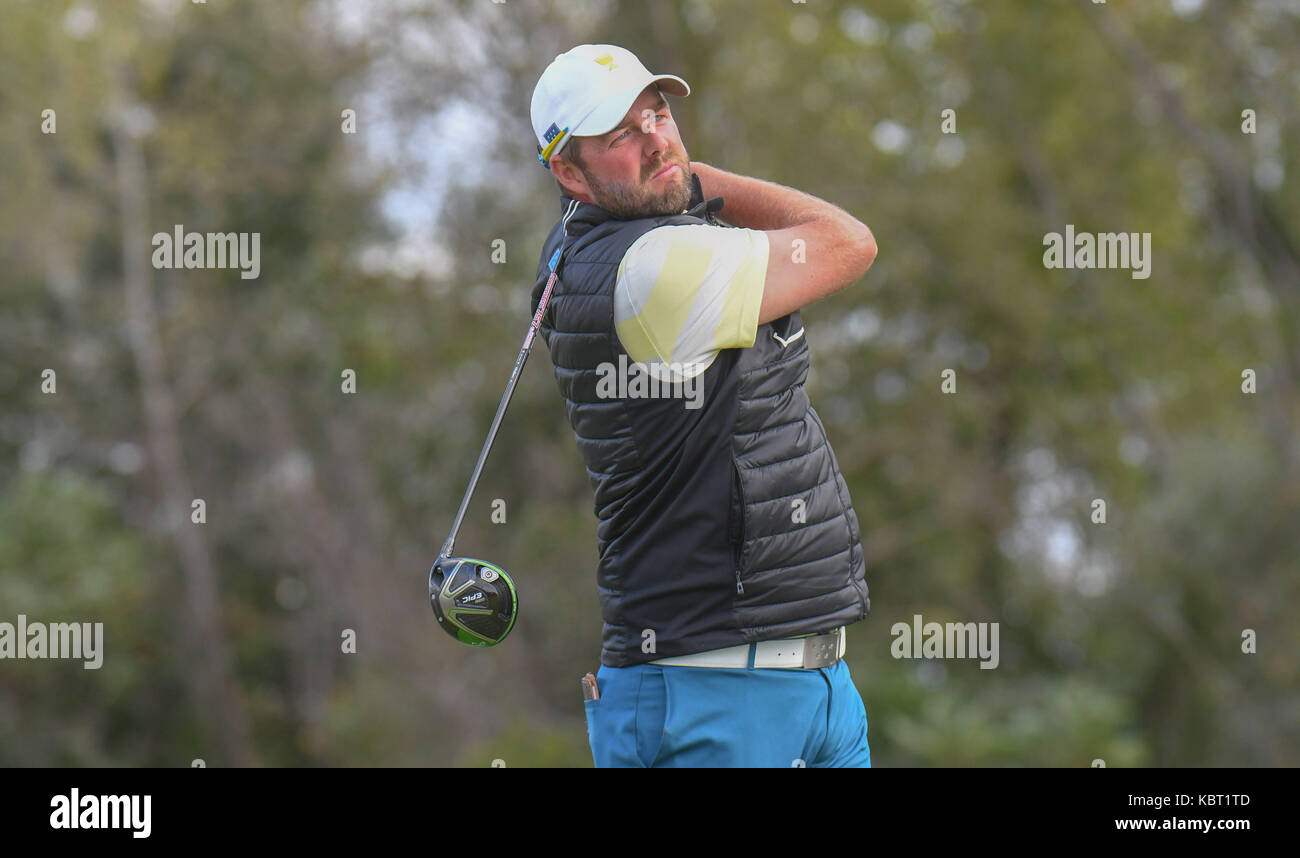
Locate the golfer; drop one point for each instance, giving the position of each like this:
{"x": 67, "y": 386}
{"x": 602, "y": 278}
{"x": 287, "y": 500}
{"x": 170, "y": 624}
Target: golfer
{"x": 729, "y": 554}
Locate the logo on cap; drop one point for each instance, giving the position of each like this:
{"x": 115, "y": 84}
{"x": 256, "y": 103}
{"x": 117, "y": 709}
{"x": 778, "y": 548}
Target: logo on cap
{"x": 551, "y": 132}
{"x": 606, "y": 60}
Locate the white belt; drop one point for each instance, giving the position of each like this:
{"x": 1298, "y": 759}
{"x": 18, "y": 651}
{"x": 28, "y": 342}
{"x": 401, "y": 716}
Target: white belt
{"x": 814, "y": 651}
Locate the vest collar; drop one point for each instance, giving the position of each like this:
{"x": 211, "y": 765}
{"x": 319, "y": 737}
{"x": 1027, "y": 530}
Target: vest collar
{"x": 588, "y": 215}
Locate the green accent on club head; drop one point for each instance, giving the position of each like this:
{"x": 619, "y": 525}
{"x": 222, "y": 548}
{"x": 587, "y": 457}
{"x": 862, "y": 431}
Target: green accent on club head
{"x": 467, "y": 637}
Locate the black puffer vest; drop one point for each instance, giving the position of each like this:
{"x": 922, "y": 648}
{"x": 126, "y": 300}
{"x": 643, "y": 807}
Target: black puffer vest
{"x": 720, "y": 525}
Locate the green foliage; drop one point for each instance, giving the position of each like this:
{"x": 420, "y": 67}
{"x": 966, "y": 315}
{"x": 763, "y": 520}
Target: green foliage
{"x": 66, "y": 556}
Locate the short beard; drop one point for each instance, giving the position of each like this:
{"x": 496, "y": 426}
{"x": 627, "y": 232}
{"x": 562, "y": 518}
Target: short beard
{"x": 631, "y": 203}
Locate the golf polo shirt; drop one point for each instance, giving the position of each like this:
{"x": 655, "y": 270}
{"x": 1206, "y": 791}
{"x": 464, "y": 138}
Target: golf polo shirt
{"x": 685, "y": 292}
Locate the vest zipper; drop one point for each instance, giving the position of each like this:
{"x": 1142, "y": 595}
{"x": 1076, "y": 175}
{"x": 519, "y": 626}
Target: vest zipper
{"x": 740, "y": 534}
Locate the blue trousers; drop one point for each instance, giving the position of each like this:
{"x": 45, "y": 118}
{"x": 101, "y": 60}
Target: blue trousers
{"x": 662, "y": 716}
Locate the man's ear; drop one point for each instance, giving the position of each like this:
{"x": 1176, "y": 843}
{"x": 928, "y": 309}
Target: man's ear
{"x": 570, "y": 178}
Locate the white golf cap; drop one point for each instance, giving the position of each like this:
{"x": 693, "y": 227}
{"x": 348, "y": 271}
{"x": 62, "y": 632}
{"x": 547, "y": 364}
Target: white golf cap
{"x": 587, "y": 91}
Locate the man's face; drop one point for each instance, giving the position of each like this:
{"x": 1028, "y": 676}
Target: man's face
{"x": 623, "y": 171}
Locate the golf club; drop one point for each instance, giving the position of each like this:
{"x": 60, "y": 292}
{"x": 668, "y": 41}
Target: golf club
{"x": 474, "y": 600}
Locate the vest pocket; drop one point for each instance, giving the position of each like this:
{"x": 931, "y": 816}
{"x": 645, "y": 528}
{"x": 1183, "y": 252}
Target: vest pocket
{"x": 736, "y": 523}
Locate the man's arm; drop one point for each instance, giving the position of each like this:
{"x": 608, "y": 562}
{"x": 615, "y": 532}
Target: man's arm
{"x": 838, "y": 248}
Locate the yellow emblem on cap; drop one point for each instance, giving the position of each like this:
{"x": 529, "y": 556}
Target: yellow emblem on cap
{"x": 606, "y": 60}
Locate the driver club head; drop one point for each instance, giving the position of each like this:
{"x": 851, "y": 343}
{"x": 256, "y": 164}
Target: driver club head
{"x": 474, "y": 600}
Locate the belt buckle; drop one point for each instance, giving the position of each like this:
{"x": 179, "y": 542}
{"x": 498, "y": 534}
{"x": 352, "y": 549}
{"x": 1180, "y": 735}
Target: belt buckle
{"x": 822, "y": 650}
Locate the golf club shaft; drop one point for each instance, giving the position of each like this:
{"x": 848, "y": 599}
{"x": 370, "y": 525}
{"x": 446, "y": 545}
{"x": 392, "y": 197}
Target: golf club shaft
{"x": 501, "y": 413}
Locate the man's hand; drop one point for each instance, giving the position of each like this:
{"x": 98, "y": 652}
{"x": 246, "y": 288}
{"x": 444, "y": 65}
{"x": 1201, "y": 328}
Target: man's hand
{"x": 837, "y": 248}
